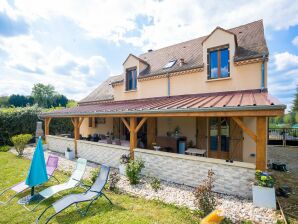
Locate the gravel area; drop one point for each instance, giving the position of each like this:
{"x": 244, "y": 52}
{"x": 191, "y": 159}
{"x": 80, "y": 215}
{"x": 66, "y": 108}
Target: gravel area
{"x": 235, "y": 208}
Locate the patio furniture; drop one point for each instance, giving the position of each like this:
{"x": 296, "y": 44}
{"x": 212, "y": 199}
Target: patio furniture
{"x": 196, "y": 152}
{"x": 51, "y": 166}
{"x": 91, "y": 195}
{"x": 170, "y": 143}
{"x": 73, "y": 182}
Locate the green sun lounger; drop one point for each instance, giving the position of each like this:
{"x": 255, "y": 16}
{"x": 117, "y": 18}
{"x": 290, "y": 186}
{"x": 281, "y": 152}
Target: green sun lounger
{"x": 74, "y": 181}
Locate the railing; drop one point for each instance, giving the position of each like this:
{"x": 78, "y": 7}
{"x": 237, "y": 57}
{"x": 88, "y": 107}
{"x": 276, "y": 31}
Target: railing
{"x": 283, "y": 136}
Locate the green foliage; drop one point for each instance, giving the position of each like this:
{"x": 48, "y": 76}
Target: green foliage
{"x": 94, "y": 174}
{"x": 295, "y": 102}
{"x": 204, "y": 196}
{"x": 263, "y": 179}
{"x": 71, "y": 103}
{"x": 43, "y": 94}
{"x": 20, "y": 141}
{"x": 133, "y": 170}
{"x": 4, "y": 101}
{"x": 246, "y": 222}
{"x": 59, "y": 101}
{"x": 4, "y": 148}
{"x": 15, "y": 121}
{"x": 227, "y": 221}
{"x": 20, "y": 100}
{"x": 155, "y": 183}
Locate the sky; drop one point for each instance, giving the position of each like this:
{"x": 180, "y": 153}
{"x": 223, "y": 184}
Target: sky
{"x": 75, "y": 45}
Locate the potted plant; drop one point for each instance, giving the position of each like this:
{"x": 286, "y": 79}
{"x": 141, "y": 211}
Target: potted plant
{"x": 263, "y": 191}
{"x": 124, "y": 160}
{"x": 69, "y": 154}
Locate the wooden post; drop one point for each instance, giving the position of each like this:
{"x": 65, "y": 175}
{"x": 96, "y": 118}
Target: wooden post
{"x": 133, "y": 136}
{"x": 47, "y": 126}
{"x": 151, "y": 131}
{"x": 76, "y": 124}
{"x": 261, "y": 157}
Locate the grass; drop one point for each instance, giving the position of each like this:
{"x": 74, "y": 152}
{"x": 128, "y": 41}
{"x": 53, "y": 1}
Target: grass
{"x": 126, "y": 209}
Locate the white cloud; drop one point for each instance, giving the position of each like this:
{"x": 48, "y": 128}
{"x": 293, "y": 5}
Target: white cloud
{"x": 285, "y": 60}
{"x": 295, "y": 41}
{"x": 172, "y": 20}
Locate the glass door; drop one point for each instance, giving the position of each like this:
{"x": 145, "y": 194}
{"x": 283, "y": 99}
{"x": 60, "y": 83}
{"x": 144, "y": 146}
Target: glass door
{"x": 219, "y": 135}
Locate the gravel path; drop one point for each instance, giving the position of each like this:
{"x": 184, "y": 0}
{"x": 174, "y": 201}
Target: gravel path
{"x": 235, "y": 208}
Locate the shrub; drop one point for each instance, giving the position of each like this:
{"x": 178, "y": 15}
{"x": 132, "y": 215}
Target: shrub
{"x": 20, "y": 141}
{"x": 155, "y": 183}
{"x": 113, "y": 180}
{"x": 204, "y": 196}
{"x": 4, "y": 148}
{"x": 133, "y": 170}
{"x": 264, "y": 179}
{"x": 125, "y": 158}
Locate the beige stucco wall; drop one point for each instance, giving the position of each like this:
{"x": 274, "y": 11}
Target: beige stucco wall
{"x": 187, "y": 126}
{"x": 85, "y": 130}
{"x": 242, "y": 77}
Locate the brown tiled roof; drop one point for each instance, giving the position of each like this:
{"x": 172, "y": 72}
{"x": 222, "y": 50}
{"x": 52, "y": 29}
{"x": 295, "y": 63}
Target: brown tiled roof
{"x": 104, "y": 92}
{"x": 234, "y": 100}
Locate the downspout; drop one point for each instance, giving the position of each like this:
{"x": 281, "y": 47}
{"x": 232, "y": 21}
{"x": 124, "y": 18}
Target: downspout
{"x": 169, "y": 85}
{"x": 263, "y": 73}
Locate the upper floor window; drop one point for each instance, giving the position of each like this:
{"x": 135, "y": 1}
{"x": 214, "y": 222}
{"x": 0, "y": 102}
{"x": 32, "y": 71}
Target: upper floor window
{"x": 218, "y": 63}
{"x": 131, "y": 79}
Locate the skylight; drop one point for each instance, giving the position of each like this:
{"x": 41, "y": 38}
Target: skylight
{"x": 170, "y": 64}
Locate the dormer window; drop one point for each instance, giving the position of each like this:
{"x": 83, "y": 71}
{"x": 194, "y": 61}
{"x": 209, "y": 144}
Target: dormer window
{"x": 218, "y": 63}
{"x": 131, "y": 79}
{"x": 170, "y": 64}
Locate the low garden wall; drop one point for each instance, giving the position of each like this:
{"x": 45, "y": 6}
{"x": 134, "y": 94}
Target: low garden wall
{"x": 59, "y": 144}
{"x": 231, "y": 178}
{"x": 101, "y": 153}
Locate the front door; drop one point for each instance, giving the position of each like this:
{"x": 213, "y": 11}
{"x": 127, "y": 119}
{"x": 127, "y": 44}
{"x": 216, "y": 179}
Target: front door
{"x": 219, "y": 133}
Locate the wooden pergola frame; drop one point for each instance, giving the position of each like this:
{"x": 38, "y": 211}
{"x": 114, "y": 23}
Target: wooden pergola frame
{"x": 259, "y": 137}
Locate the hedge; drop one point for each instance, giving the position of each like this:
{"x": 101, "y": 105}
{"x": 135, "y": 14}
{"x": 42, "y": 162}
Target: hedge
{"x": 14, "y": 121}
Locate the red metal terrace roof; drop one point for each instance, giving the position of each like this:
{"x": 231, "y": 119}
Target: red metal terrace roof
{"x": 236, "y": 100}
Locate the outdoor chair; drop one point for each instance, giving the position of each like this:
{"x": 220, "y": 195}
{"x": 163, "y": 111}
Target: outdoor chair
{"x": 91, "y": 195}
{"x": 74, "y": 181}
{"x": 51, "y": 166}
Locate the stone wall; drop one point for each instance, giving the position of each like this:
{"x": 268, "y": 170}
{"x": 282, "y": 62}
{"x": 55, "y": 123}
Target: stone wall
{"x": 59, "y": 144}
{"x": 101, "y": 153}
{"x": 231, "y": 178}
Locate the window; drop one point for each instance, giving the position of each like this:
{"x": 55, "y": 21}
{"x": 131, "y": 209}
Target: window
{"x": 218, "y": 63}
{"x": 170, "y": 64}
{"x": 131, "y": 79}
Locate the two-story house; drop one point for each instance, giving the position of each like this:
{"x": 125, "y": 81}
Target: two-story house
{"x": 184, "y": 109}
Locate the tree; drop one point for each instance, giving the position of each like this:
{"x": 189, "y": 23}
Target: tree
{"x": 4, "y": 101}
{"x": 295, "y": 103}
{"x": 43, "y": 94}
{"x": 71, "y": 103}
{"x": 59, "y": 101}
{"x": 18, "y": 100}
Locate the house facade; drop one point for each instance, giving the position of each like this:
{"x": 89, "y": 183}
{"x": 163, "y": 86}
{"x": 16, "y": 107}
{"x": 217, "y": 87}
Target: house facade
{"x": 186, "y": 108}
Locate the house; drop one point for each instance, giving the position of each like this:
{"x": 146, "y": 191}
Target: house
{"x": 186, "y": 108}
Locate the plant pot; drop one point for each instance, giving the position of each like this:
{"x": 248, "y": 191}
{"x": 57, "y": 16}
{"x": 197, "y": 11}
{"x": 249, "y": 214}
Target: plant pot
{"x": 70, "y": 155}
{"x": 264, "y": 197}
{"x": 122, "y": 169}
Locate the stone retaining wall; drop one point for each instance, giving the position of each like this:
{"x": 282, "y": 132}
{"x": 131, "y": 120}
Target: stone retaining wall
{"x": 59, "y": 144}
{"x": 101, "y": 153}
{"x": 231, "y": 178}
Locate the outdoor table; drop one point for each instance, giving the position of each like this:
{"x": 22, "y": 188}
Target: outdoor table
{"x": 196, "y": 152}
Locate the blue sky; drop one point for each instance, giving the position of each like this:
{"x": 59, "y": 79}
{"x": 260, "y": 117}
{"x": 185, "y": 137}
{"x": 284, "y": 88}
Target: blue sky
{"x": 75, "y": 45}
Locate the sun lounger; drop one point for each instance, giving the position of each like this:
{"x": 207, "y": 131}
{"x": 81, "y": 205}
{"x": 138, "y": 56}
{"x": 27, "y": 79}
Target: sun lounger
{"x": 91, "y": 195}
{"x": 51, "y": 166}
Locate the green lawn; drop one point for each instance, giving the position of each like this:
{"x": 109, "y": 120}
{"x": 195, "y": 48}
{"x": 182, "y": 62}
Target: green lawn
{"x": 126, "y": 209}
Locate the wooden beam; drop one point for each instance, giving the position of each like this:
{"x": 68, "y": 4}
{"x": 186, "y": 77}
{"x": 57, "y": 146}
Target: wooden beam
{"x": 81, "y": 121}
{"x": 47, "y": 125}
{"x": 133, "y": 136}
{"x": 144, "y": 119}
{"x": 76, "y": 122}
{"x": 261, "y": 157}
{"x": 125, "y": 123}
{"x": 245, "y": 128}
{"x": 151, "y": 132}
{"x": 239, "y": 113}
{"x": 72, "y": 121}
